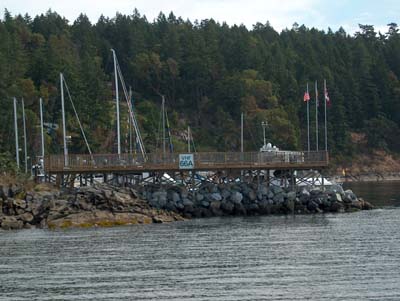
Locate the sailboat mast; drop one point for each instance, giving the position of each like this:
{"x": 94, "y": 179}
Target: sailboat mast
{"x": 316, "y": 115}
{"x": 16, "y": 132}
{"x": 241, "y": 133}
{"x": 130, "y": 124}
{"x": 41, "y": 129}
{"x": 63, "y": 120}
{"x": 25, "y": 144}
{"x": 188, "y": 139}
{"x": 163, "y": 123}
{"x": 117, "y": 102}
{"x": 326, "y": 129}
{"x": 308, "y": 121}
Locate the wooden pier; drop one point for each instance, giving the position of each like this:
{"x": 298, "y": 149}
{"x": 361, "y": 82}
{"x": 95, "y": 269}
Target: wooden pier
{"x": 210, "y": 161}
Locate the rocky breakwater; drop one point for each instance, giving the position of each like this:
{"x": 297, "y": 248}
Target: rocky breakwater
{"x": 45, "y": 206}
{"x": 252, "y": 199}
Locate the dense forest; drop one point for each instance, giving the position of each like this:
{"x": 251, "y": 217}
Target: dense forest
{"x": 209, "y": 74}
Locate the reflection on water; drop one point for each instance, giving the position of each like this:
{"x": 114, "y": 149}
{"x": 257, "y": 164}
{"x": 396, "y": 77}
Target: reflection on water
{"x": 378, "y": 193}
{"x": 312, "y": 257}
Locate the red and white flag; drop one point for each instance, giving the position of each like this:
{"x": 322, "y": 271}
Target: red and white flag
{"x": 306, "y": 96}
{"x": 327, "y": 99}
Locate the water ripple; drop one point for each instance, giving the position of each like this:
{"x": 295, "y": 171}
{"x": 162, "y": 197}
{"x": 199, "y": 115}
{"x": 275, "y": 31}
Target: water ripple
{"x": 323, "y": 257}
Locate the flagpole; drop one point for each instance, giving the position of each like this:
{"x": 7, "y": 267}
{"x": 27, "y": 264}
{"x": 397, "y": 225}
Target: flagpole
{"x": 308, "y": 122}
{"x": 316, "y": 114}
{"x": 326, "y": 130}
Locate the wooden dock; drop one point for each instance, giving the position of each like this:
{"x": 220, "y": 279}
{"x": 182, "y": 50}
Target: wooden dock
{"x": 210, "y": 161}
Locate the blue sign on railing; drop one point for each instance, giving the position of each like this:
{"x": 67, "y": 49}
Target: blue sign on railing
{"x": 186, "y": 161}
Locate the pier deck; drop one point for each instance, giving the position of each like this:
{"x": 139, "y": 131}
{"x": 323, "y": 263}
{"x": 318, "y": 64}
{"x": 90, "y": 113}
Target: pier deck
{"x": 211, "y": 161}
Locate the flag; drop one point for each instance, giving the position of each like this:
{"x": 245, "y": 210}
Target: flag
{"x": 306, "y": 96}
{"x": 327, "y": 99}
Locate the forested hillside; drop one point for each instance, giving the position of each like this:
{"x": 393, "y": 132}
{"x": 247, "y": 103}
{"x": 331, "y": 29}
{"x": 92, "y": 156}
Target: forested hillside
{"x": 209, "y": 74}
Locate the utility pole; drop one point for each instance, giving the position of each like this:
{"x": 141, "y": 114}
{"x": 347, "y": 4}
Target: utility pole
{"x": 25, "y": 146}
{"x": 63, "y": 120}
{"x": 117, "y": 102}
{"x": 16, "y": 132}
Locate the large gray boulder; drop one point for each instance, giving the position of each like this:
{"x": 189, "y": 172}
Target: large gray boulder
{"x": 187, "y": 202}
{"x": 291, "y": 196}
{"x": 215, "y": 205}
{"x": 264, "y": 206}
{"x": 26, "y": 217}
{"x": 175, "y": 197}
{"x": 335, "y": 189}
{"x": 252, "y": 195}
{"x": 10, "y": 223}
{"x": 240, "y": 209}
{"x": 270, "y": 194}
{"x": 276, "y": 189}
{"x": 160, "y": 195}
{"x": 19, "y": 203}
{"x": 3, "y": 192}
{"x": 305, "y": 196}
{"x": 263, "y": 189}
{"x": 180, "y": 206}
{"x": 253, "y": 208}
{"x": 216, "y": 196}
{"x": 337, "y": 207}
{"x": 349, "y": 196}
{"x": 199, "y": 197}
{"x": 279, "y": 198}
{"x": 107, "y": 194}
{"x": 316, "y": 192}
{"x": 336, "y": 197}
{"x": 236, "y": 197}
{"x": 312, "y": 206}
{"x": 227, "y": 207}
{"x": 225, "y": 193}
{"x": 215, "y": 208}
{"x": 184, "y": 193}
{"x": 205, "y": 204}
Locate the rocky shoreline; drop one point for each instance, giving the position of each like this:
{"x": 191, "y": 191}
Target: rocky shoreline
{"x": 104, "y": 205}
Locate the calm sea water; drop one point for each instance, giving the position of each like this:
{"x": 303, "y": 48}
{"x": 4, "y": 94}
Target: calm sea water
{"x": 323, "y": 257}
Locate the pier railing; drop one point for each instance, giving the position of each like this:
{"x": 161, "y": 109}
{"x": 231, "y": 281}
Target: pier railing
{"x": 170, "y": 161}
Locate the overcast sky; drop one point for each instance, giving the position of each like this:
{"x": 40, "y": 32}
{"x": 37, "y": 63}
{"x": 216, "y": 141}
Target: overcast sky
{"x": 281, "y": 13}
